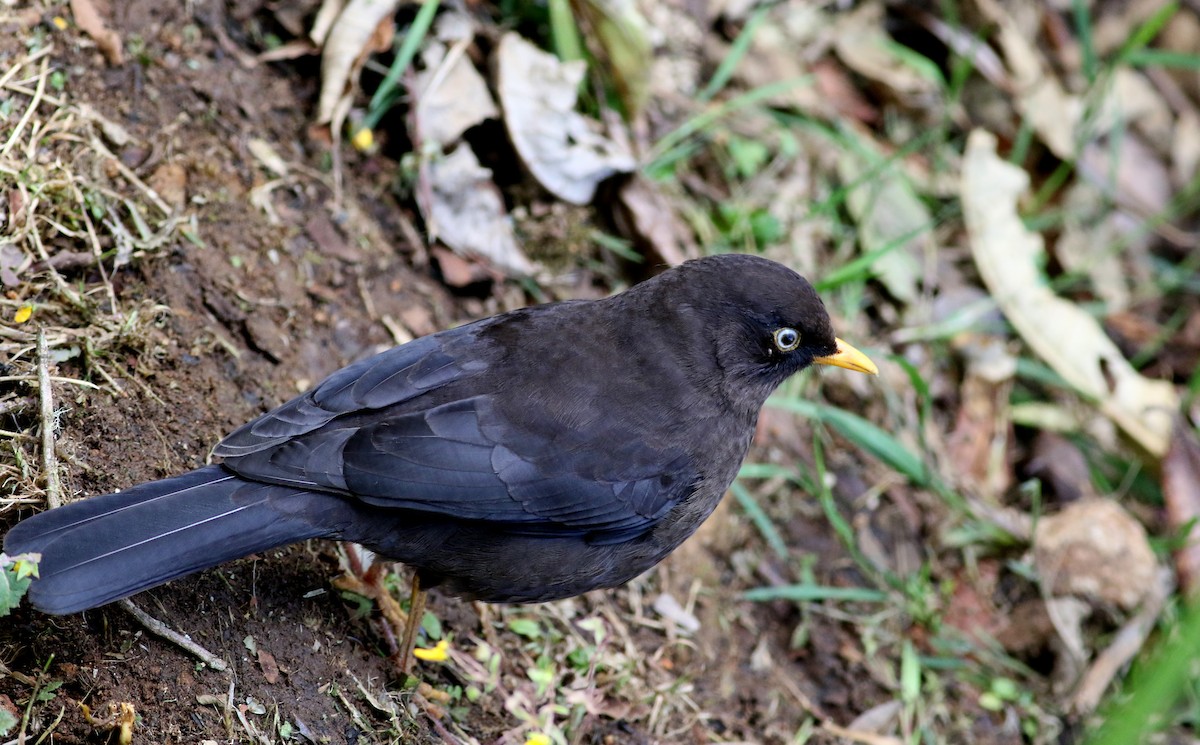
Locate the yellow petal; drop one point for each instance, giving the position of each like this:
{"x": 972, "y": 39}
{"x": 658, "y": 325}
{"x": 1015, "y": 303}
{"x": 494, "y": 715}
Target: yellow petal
{"x": 59, "y": 22}
{"x": 23, "y": 313}
{"x": 537, "y": 738}
{"x": 439, "y": 653}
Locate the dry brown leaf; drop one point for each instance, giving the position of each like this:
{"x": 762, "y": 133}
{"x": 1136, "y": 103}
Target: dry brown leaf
{"x": 1131, "y": 99}
{"x": 833, "y": 86}
{"x": 1185, "y": 147}
{"x": 170, "y": 181}
{"x": 1061, "y": 467}
{"x": 1064, "y": 335}
{"x": 1129, "y": 172}
{"x": 88, "y": 18}
{"x": 270, "y": 668}
{"x": 1041, "y": 99}
{"x": 1096, "y": 550}
{"x": 1181, "y": 495}
{"x": 979, "y": 444}
{"x": 464, "y": 209}
{"x": 346, "y": 46}
{"x": 773, "y": 58}
{"x": 563, "y": 149}
{"x": 644, "y": 214}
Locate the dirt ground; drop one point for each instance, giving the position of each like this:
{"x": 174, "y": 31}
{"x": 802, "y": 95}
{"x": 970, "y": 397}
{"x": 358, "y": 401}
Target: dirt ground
{"x": 244, "y": 319}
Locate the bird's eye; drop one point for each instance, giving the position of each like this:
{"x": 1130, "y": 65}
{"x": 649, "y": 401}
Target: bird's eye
{"x": 786, "y": 339}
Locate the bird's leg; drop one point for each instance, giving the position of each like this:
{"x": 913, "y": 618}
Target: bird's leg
{"x": 368, "y": 582}
{"x": 416, "y": 611}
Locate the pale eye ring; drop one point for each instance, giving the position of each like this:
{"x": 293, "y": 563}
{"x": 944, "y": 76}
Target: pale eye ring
{"x": 786, "y": 338}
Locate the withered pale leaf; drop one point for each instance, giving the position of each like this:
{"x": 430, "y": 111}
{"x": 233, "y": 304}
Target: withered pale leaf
{"x": 345, "y": 48}
{"x": 463, "y": 209}
{"x": 563, "y": 149}
{"x": 452, "y": 96}
{"x": 1185, "y": 147}
{"x": 1064, "y": 335}
{"x": 643, "y": 213}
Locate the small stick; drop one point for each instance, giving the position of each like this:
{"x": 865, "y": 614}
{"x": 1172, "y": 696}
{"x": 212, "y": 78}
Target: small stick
{"x": 158, "y": 628}
{"x": 416, "y": 613}
{"x": 49, "y": 454}
{"x": 1125, "y": 646}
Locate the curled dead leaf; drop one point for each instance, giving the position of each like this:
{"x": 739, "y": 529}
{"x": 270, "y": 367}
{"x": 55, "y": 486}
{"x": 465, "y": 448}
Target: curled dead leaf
{"x": 1065, "y": 336}
{"x": 563, "y": 149}
{"x": 1096, "y": 550}
{"x": 351, "y": 37}
{"x": 107, "y": 41}
{"x": 463, "y": 208}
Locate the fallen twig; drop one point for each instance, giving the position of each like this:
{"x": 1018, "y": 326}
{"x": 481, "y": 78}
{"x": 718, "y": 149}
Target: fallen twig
{"x": 158, "y": 628}
{"x": 1127, "y": 643}
{"x": 46, "y": 398}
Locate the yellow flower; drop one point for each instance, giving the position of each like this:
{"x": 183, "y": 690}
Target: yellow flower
{"x": 23, "y": 313}
{"x": 363, "y": 140}
{"x": 537, "y": 738}
{"x": 439, "y": 653}
{"x": 59, "y": 22}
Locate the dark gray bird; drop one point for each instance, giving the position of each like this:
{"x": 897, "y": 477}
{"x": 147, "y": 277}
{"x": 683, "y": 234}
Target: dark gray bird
{"x": 530, "y": 456}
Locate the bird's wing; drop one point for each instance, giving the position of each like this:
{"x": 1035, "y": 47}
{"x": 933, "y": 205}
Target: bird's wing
{"x": 461, "y": 460}
{"x": 387, "y": 379}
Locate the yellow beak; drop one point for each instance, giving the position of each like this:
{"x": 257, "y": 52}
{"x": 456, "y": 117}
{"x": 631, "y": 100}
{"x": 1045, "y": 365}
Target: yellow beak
{"x": 850, "y": 358}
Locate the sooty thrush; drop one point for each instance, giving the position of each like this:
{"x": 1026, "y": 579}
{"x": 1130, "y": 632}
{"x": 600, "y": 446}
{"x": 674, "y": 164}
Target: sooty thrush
{"x": 530, "y": 456}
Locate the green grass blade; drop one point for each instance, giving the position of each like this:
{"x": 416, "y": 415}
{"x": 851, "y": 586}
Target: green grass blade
{"x": 1163, "y": 58}
{"x": 1154, "y": 686}
{"x": 737, "y": 51}
{"x": 1145, "y": 33}
{"x": 386, "y": 93}
{"x": 1083, "y": 27}
{"x": 862, "y": 433}
{"x": 711, "y": 116}
{"x": 564, "y": 32}
{"x": 761, "y": 519}
{"x": 811, "y": 593}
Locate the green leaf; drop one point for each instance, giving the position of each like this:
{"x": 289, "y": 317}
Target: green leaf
{"x": 432, "y": 626}
{"x": 47, "y": 692}
{"x": 910, "y": 673}
{"x": 761, "y": 519}
{"x": 7, "y": 721}
{"x": 526, "y": 627}
{"x": 17, "y": 573}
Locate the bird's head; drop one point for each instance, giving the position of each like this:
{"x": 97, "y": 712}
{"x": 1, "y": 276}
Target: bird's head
{"x": 765, "y": 321}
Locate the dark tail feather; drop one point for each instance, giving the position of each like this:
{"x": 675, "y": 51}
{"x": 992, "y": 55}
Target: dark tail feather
{"x": 106, "y": 548}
